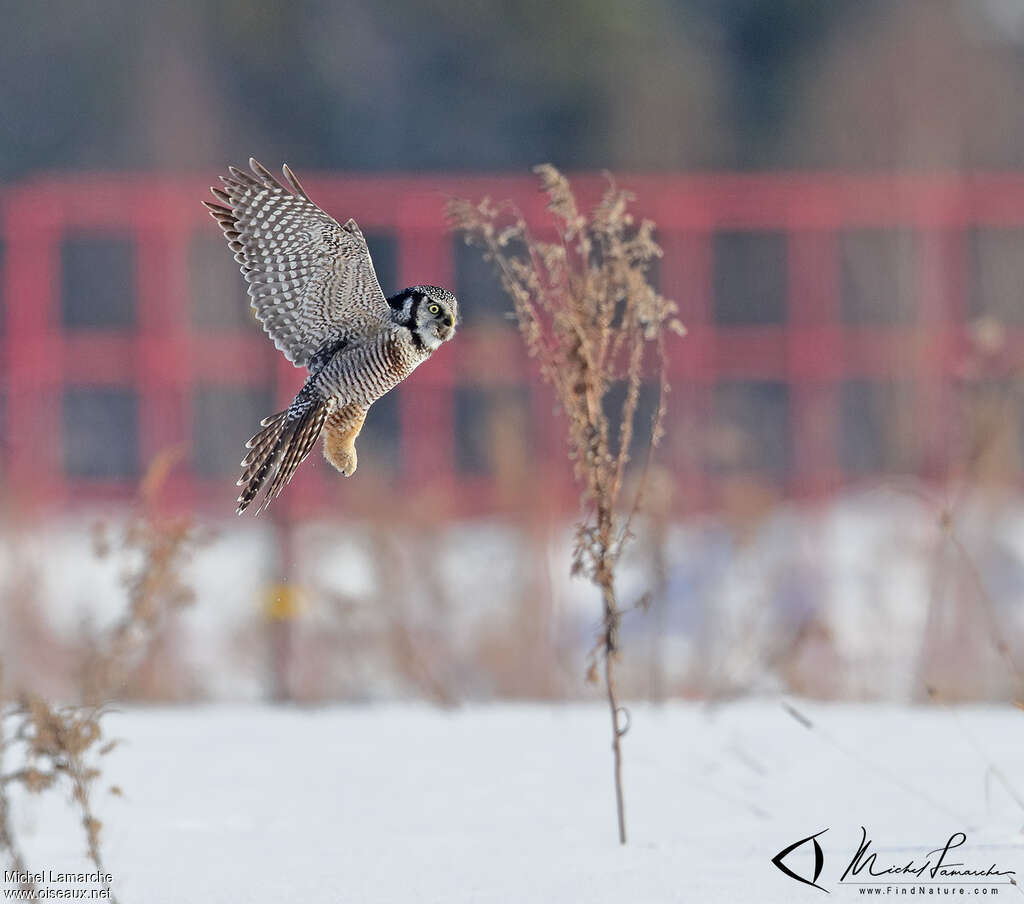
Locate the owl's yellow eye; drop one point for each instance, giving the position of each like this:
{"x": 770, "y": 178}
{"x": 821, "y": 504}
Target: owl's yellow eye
{"x": 434, "y": 309}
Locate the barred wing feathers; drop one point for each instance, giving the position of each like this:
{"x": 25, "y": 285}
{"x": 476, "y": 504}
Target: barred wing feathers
{"x": 311, "y": 280}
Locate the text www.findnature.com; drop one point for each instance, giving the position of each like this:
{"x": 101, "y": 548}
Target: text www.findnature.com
{"x": 930, "y": 890}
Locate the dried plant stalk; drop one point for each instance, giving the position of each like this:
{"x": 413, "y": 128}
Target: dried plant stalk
{"x": 57, "y": 747}
{"x": 592, "y": 321}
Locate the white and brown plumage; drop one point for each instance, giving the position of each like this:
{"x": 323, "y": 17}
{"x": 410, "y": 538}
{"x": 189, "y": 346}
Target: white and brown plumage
{"x": 313, "y": 287}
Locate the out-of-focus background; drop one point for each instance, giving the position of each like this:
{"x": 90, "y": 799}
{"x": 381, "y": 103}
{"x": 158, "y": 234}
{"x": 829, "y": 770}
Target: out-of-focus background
{"x": 839, "y": 194}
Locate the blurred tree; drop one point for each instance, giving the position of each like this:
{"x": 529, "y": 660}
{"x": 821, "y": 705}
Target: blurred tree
{"x": 922, "y": 84}
{"x": 62, "y": 72}
{"x": 468, "y": 85}
{"x": 446, "y": 84}
{"x": 497, "y": 84}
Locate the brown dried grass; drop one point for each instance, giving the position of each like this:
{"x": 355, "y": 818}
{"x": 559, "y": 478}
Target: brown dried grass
{"x": 58, "y": 747}
{"x": 592, "y": 321}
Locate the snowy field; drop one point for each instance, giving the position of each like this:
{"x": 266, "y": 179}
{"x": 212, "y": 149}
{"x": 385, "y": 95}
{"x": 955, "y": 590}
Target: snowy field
{"x": 513, "y": 803}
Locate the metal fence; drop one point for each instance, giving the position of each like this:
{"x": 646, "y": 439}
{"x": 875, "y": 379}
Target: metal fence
{"x": 828, "y": 321}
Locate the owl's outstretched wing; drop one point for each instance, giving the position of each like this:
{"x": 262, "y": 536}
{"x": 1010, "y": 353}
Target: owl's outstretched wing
{"x": 311, "y": 280}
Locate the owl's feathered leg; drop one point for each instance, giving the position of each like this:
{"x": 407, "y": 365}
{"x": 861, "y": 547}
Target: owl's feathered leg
{"x": 342, "y": 428}
{"x": 279, "y": 448}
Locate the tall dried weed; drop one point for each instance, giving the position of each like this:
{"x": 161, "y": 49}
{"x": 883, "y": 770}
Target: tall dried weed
{"x": 594, "y": 324}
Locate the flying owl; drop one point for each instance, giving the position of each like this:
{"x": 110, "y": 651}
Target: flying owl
{"x": 313, "y": 287}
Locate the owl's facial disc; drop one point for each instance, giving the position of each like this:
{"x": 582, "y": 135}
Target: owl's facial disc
{"x": 441, "y": 322}
{"x": 431, "y": 312}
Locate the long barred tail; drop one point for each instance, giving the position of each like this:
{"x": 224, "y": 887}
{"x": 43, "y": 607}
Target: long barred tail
{"x": 278, "y": 449}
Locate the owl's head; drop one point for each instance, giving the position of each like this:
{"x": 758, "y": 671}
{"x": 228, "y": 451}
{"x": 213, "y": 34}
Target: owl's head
{"x": 431, "y": 312}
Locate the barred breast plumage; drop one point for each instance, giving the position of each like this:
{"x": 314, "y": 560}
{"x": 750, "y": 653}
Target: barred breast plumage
{"x": 365, "y": 371}
{"x": 313, "y": 287}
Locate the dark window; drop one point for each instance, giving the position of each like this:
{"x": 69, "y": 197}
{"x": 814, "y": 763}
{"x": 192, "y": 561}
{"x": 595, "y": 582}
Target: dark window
{"x": 492, "y": 430}
{"x": 751, "y": 428}
{"x": 384, "y": 253}
{"x": 654, "y": 266}
{"x": 101, "y": 432}
{"x": 217, "y": 289}
{"x": 223, "y": 419}
{"x": 483, "y": 300}
{"x": 877, "y": 281}
{"x": 645, "y": 409}
{"x": 98, "y": 284}
{"x": 380, "y": 437}
{"x": 750, "y": 277}
{"x": 877, "y": 427}
{"x": 997, "y": 273}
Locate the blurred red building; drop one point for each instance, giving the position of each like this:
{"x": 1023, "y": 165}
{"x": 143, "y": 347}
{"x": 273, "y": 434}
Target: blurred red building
{"x": 829, "y": 322}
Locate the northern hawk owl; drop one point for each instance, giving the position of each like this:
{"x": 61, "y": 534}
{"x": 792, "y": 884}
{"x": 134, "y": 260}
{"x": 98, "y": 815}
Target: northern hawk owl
{"x": 313, "y": 287}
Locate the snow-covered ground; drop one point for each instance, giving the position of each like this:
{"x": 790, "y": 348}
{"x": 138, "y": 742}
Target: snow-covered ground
{"x": 513, "y": 803}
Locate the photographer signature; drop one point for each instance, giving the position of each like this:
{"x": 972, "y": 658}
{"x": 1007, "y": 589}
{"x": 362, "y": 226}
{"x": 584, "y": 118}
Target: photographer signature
{"x": 937, "y": 865}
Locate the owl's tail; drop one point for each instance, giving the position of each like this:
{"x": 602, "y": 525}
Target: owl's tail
{"x": 279, "y": 448}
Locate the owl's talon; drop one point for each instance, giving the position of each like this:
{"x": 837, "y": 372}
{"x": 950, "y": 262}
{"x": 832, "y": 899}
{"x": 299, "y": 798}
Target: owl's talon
{"x": 345, "y": 462}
